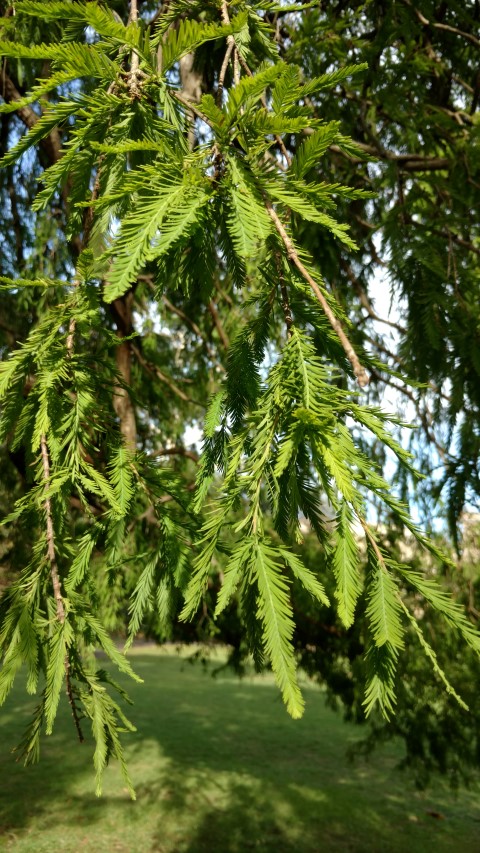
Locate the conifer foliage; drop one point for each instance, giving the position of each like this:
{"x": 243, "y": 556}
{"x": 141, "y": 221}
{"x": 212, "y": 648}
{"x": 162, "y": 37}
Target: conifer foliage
{"x": 168, "y": 198}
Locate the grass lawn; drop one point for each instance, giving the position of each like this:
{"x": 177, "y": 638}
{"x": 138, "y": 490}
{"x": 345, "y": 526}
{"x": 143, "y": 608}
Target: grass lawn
{"x": 219, "y": 766}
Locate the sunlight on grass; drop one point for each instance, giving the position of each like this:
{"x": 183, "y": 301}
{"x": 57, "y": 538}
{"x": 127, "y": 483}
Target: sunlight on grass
{"x": 219, "y": 766}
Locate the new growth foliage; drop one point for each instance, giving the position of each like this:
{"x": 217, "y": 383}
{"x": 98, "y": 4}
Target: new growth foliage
{"x": 280, "y": 443}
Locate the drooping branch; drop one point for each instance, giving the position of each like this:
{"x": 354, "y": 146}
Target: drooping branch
{"x": 287, "y": 311}
{"x": 359, "y": 371}
{"x": 55, "y": 576}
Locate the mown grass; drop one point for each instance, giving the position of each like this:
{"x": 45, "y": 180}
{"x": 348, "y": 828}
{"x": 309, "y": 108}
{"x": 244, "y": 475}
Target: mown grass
{"x": 219, "y": 766}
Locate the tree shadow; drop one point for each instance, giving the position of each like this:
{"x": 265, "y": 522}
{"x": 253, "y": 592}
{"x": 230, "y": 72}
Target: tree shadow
{"x": 218, "y": 765}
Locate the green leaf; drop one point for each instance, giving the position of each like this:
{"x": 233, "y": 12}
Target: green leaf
{"x": 247, "y": 220}
{"x": 42, "y": 128}
{"x": 345, "y": 566}
{"x": 275, "y": 613}
{"x": 330, "y": 79}
{"x": 55, "y": 675}
{"x": 380, "y": 687}
{"x": 190, "y": 34}
{"x": 383, "y": 608}
{"x": 240, "y": 557}
{"x": 305, "y": 576}
{"x": 162, "y": 215}
{"x": 313, "y": 148}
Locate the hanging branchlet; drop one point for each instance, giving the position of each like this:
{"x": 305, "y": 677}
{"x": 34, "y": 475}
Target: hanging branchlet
{"x": 55, "y": 576}
{"x": 219, "y": 212}
{"x": 287, "y": 311}
{"x": 359, "y": 371}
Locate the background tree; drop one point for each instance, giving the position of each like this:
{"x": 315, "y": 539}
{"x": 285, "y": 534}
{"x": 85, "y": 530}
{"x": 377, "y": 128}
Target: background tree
{"x": 175, "y": 185}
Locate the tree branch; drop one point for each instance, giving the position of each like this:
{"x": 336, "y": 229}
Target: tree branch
{"x": 365, "y": 301}
{"x": 54, "y": 574}
{"x": 359, "y": 371}
{"x": 426, "y": 23}
{"x": 408, "y": 162}
{"x": 154, "y": 370}
{"x": 223, "y": 71}
{"x": 216, "y": 319}
{"x": 287, "y": 311}
{"x": 51, "y": 143}
{"x": 177, "y": 451}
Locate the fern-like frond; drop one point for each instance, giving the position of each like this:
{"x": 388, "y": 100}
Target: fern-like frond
{"x": 52, "y": 118}
{"x": 275, "y": 613}
{"x": 190, "y": 34}
{"x": 346, "y": 566}
{"x": 161, "y": 215}
{"x": 247, "y": 220}
{"x": 313, "y": 148}
{"x": 383, "y": 605}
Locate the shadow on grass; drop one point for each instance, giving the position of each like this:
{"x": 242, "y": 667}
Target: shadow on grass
{"x": 218, "y": 765}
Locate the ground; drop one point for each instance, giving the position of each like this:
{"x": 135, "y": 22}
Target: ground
{"x": 219, "y": 766}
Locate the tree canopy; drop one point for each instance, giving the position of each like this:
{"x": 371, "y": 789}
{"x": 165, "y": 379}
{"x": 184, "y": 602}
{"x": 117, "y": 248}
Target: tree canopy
{"x": 199, "y": 203}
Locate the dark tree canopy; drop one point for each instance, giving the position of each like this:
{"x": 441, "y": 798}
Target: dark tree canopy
{"x": 200, "y": 203}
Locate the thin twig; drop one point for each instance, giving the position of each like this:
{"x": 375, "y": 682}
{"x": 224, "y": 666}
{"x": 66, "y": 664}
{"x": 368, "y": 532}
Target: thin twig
{"x": 185, "y": 318}
{"x": 425, "y": 417}
{"x": 218, "y": 325}
{"x": 248, "y": 71}
{"x": 449, "y": 29}
{"x": 365, "y": 301}
{"x": 223, "y": 71}
{"x": 155, "y": 371}
{"x": 228, "y": 299}
{"x": 231, "y": 44}
{"x": 135, "y": 74}
{"x": 359, "y": 371}
{"x": 373, "y": 542}
{"x": 177, "y": 451}
{"x": 54, "y": 574}
{"x": 287, "y": 311}
{"x": 190, "y": 105}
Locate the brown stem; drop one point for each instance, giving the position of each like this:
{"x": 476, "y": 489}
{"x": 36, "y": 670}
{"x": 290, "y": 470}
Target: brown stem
{"x": 122, "y": 309}
{"x": 54, "y": 574}
{"x": 359, "y": 371}
{"x": 223, "y": 71}
{"x": 155, "y": 371}
{"x": 287, "y": 311}
{"x": 51, "y": 143}
{"x": 373, "y": 542}
{"x": 177, "y": 451}
{"x": 133, "y": 16}
{"x": 365, "y": 301}
{"x": 409, "y": 162}
{"x": 426, "y": 23}
{"x": 218, "y": 325}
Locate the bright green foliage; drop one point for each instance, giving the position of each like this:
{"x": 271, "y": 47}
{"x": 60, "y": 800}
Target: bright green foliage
{"x": 149, "y": 211}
